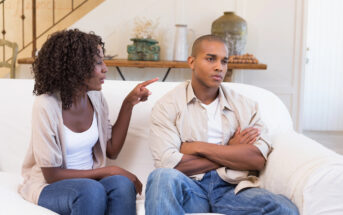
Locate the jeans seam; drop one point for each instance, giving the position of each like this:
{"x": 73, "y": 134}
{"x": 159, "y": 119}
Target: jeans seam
{"x": 210, "y": 190}
{"x": 198, "y": 194}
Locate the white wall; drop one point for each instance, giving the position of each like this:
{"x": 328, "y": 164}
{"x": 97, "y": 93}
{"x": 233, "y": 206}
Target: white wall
{"x": 275, "y": 34}
{"x": 274, "y": 37}
{"x": 114, "y": 21}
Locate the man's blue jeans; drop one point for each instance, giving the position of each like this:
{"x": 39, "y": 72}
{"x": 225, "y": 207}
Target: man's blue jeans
{"x": 111, "y": 195}
{"x": 171, "y": 192}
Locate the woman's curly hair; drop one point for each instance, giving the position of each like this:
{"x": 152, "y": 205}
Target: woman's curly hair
{"x": 63, "y": 64}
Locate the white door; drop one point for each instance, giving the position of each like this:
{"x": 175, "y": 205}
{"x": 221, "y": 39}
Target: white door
{"x": 323, "y": 90}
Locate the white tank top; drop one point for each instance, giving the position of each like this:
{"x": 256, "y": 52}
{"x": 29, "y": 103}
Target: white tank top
{"x": 79, "y": 146}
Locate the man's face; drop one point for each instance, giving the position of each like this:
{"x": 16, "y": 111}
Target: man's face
{"x": 210, "y": 64}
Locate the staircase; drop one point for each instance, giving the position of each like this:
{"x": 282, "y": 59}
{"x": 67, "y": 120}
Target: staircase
{"x": 18, "y": 24}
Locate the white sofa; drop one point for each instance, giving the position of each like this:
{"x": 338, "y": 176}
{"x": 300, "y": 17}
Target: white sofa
{"x": 299, "y": 168}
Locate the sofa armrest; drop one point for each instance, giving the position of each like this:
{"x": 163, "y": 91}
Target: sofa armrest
{"x": 294, "y": 160}
{"x": 12, "y": 202}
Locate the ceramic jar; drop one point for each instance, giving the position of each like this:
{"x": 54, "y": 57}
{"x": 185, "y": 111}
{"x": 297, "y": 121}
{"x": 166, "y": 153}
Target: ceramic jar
{"x": 233, "y": 29}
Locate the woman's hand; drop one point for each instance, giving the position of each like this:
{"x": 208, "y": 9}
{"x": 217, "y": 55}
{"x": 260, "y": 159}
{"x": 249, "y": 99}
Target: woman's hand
{"x": 115, "y": 170}
{"x": 140, "y": 93}
{"x": 247, "y": 136}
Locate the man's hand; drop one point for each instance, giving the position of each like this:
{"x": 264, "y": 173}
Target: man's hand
{"x": 247, "y": 136}
{"x": 140, "y": 93}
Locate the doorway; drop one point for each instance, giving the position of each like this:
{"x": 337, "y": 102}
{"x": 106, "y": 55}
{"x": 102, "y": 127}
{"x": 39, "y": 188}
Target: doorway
{"x": 323, "y": 82}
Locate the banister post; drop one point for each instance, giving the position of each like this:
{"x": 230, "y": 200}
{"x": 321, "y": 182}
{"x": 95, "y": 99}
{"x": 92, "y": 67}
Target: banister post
{"x": 34, "y": 33}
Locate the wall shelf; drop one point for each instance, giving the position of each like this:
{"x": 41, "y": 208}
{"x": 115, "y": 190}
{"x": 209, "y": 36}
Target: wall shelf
{"x": 161, "y": 64}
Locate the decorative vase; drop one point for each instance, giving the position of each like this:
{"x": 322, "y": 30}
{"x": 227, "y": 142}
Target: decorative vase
{"x": 233, "y": 29}
{"x": 180, "y": 43}
{"x": 143, "y": 49}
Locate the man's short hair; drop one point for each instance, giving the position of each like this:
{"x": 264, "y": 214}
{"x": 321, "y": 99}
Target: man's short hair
{"x": 208, "y": 37}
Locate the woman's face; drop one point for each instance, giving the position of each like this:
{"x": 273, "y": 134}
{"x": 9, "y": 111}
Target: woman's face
{"x": 99, "y": 73}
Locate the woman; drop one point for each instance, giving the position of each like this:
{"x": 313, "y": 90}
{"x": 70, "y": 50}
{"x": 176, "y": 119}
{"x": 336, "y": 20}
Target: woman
{"x": 64, "y": 169}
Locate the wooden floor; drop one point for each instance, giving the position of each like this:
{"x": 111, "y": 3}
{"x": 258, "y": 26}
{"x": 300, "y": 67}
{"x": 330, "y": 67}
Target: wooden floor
{"x": 330, "y": 139}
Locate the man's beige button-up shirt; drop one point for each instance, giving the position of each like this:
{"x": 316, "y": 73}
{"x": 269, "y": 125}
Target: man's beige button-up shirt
{"x": 179, "y": 117}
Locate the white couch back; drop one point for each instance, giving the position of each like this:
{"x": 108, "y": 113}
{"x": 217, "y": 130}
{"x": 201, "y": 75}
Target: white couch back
{"x": 15, "y": 126}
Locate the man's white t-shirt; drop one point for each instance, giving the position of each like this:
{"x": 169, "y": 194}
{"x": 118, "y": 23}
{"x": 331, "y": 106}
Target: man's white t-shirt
{"x": 214, "y": 122}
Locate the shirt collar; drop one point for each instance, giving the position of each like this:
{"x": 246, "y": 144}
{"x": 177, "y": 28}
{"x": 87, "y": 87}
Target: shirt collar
{"x": 223, "y": 99}
{"x": 190, "y": 97}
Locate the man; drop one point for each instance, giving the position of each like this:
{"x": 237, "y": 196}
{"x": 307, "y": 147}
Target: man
{"x": 208, "y": 144}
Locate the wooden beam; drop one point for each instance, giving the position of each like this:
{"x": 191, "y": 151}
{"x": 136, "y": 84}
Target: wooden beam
{"x": 34, "y": 29}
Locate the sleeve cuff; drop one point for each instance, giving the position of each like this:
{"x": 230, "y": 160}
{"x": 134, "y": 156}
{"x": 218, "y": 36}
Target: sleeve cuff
{"x": 171, "y": 160}
{"x": 263, "y": 147}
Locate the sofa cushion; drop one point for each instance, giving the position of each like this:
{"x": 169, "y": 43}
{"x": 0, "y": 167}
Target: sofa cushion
{"x": 273, "y": 112}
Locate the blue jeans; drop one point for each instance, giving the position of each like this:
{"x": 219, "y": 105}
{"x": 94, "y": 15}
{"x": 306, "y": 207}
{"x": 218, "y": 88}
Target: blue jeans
{"x": 171, "y": 192}
{"x": 111, "y": 195}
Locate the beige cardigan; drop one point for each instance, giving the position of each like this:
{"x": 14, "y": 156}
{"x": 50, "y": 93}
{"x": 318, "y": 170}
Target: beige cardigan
{"x": 47, "y": 147}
